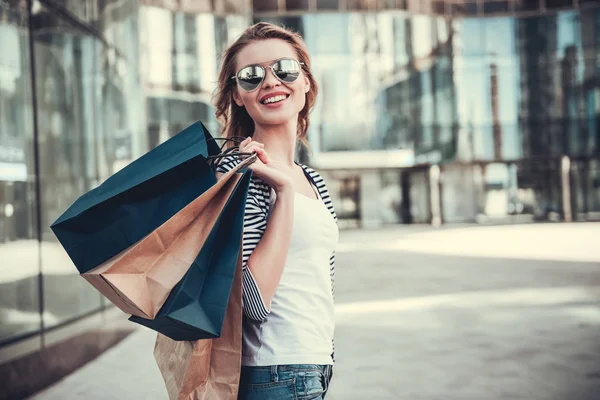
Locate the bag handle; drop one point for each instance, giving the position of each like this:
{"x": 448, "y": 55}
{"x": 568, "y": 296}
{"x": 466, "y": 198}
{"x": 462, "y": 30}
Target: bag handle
{"x": 249, "y": 158}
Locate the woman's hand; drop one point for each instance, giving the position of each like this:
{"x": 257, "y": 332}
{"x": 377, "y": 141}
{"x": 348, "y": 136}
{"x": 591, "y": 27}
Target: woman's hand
{"x": 265, "y": 168}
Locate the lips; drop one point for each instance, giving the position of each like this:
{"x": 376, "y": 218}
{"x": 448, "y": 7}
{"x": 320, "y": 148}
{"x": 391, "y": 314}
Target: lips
{"x": 272, "y": 95}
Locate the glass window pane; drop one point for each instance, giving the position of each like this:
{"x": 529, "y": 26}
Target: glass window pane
{"x": 198, "y": 6}
{"x": 497, "y": 7}
{"x": 327, "y": 4}
{"x": 468, "y": 7}
{"x": 470, "y": 42}
{"x": 119, "y": 24}
{"x": 543, "y": 202}
{"x": 559, "y": 3}
{"x": 527, "y": 5}
{"x": 70, "y": 157}
{"x": 370, "y": 5}
{"x": 265, "y": 5}
{"x": 431, "y": 6}
{"x": 294, "y": 5}
{"x": 19, "y": 245}
{"x": 85, "y": 10}
{"x": 499, "y": 37}
{"x": 390, "y": 4}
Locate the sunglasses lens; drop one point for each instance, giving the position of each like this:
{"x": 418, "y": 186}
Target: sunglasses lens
{"x": 287, "y": 70}
{"x": 250, "y": 77}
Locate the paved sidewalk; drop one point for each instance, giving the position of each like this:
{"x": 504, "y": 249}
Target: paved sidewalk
{"x": 470, "y": 313}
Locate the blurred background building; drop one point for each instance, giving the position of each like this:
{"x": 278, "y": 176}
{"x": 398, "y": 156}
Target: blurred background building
{"x": 429, "y": 112}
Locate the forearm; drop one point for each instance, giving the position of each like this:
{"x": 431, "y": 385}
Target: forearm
{"x": 270, "y": 255}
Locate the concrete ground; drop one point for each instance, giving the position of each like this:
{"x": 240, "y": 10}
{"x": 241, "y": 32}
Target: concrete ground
{"x": 506, "y": 312}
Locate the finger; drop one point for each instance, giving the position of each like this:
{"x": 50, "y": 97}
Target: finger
{"x": 252, "y": 147}
{"x": 262, "y": 155}
{"x": 244, "y": 142}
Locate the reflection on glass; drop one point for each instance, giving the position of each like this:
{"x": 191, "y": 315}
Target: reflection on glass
{"x": 465, "y": 8}
{"x": 332, "y": 4}
{"x": 294, "y": 5}
{"x": 559, "y": 3}
{"x": 348, "y": 198}
{"x": 182, "y": 73}
{"x": 82, "y": 115}
{"x": 265, "y": 5}
{"x": 497, "y": 6}
{"x": 498, "y": 88}
{"x": 527, "y": 5}
{"x": 84, "y": 10}
{"x": 390, "y": 197}
{"x": 370, "y": 5}
{"x": 419, "y": 196}
{"x": 19, "y": 247}
{"x": 585, "y": 186}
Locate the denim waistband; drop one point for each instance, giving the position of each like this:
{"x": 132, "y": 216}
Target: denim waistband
{"x": 276, "y": 370}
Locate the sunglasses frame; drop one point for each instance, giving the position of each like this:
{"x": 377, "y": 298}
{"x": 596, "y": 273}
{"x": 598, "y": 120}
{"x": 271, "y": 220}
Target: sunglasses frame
{"x": 264, "y": 68}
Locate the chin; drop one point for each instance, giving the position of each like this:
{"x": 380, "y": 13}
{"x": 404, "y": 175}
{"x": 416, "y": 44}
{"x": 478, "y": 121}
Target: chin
{"x": 277, "y": 120}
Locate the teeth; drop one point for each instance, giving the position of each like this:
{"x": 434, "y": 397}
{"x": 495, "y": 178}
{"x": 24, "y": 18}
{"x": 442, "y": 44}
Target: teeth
{"x": 274, "y": 99}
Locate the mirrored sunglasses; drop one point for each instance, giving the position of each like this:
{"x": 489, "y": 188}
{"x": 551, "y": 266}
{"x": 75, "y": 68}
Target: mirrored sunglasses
{"x": 287, "y": 70}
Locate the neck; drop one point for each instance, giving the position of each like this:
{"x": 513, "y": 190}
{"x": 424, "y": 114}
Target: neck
{"x": 279, "y": 141}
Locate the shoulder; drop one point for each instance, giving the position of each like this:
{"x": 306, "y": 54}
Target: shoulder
{"x": 311, "y": 172}
{"x": 319, "y": 182}
{"x": 315, "y": 177}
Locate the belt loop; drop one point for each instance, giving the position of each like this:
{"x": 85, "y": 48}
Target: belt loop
{"x": 274, "y": 376}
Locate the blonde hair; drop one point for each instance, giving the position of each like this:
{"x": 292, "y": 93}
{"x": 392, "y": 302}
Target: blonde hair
{"x": 235, "y": 120}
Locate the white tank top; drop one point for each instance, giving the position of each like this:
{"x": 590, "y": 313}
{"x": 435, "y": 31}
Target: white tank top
{"x": 299, "y": 328}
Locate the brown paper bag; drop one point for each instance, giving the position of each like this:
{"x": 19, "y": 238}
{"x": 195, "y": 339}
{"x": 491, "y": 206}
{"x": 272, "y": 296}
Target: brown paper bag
{"x": 139, "y": 279}
{"x": 207, "y": 369}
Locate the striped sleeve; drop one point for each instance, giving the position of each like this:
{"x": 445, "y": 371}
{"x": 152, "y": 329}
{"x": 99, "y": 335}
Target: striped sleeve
{"x": 255, "y": 224}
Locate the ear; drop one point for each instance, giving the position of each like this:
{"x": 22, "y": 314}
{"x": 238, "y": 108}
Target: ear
{"x": 237, "y": 98}
{"x": 306, "y": 84}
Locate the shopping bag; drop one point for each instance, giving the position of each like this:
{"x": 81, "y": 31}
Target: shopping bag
{"x": 195, "y": 308}
{"x": 207, "y": 369}
{"x": 136, "y": 235}
{"x": 137, "y": 199}
{"x": 141, "y": 277}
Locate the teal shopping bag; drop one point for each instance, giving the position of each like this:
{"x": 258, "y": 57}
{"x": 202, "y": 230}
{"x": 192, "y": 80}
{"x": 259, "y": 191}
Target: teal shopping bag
{"x": 137, "y": 199}
{"x": 195, "y": 308}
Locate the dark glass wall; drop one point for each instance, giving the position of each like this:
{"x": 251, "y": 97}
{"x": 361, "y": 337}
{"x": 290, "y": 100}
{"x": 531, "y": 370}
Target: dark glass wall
{"x": 19, "y": 245}
{"x": 88, "y": 94}
{"x": 83, "y": 67}
{"x": 105, "y": 86}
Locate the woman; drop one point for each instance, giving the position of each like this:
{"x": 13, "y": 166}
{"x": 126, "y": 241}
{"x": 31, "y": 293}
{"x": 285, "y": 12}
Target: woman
{"x": 265, "y": 93}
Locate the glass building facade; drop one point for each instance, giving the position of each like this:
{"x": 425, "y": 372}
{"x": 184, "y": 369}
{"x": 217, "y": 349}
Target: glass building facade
{"x": 503, "y": 95}
{"x": 86, "y": 86}
{"x": 496, "y": 92}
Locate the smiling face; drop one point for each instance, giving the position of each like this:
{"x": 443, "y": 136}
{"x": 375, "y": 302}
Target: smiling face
{"x": 274, "y": 102}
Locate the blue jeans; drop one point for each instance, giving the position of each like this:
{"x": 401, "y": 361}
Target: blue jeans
{"x": 285, "y": 382}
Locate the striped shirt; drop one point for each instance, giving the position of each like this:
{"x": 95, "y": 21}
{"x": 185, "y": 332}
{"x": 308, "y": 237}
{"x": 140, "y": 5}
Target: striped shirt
{"x": 258, "y": 207}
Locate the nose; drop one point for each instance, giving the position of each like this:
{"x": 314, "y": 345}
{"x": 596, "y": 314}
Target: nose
{"x": 270, "y": 79}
